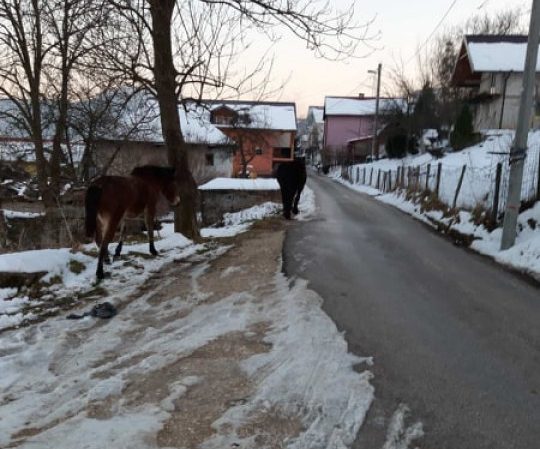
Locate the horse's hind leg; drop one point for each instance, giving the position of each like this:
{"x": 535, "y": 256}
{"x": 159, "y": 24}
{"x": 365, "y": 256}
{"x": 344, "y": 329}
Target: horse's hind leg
{"x": 295, "y": 202}
{"x": 149, "y": 218}
{"x": 118, "y": 249}
{"x": 287, "y": 198}
{"x": 107, "y": 235}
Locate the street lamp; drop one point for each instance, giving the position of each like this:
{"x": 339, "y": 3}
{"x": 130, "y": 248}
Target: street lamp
{"x": 374, "y": 146}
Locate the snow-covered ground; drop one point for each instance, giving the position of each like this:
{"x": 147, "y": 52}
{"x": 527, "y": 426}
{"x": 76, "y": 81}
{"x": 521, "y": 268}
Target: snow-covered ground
{"x": 479, "y": 180}
{"x": 481, "y": 161}
{"x": 68, "y": 384}
{"x": 70, "y": 275}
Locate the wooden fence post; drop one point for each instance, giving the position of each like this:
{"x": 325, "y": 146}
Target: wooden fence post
{"x": 417, "y": 179}
{"x": 427, "y": 176}
{"x": 389, "y": 180}
{"x": 459, "y": 186}
{"x": 378, "y": 178}
{"x": 357, "y": 174}
{"x": 397, "y": 176}
{"x": 495, "y": 208}
{"x": 438, "y": 181}
{"x": 364, "y": 175}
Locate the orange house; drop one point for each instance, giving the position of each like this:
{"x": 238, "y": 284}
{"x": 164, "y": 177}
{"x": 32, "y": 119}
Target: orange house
{"x": 264, "y": 133}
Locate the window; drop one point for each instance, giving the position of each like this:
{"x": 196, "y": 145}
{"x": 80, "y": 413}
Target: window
{"x": 258, "y": 151}
{"x": 209, "y": 159}
{"x": 282, "y": 153}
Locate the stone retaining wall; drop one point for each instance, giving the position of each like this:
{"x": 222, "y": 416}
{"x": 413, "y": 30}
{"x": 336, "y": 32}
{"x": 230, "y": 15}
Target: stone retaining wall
{"x": 215, "y": 203}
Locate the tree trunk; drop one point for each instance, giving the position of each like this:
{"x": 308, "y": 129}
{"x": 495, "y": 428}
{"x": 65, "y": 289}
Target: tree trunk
{"x": 41, "y": 161}
{"x": 165, "y": 79}
{"x": 3, "y": 229}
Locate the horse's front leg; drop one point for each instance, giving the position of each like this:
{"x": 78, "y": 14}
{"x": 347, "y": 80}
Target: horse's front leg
{"x": 118, "y": 249}
{"x": 149, "y": 218}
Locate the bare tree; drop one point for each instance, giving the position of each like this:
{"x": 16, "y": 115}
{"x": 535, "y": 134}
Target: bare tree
{"x": 23, "y": 51}
{"x": 115, "y": 113}
{"x": 42, "y": 44}
{"x": 175, "y": 67}
{"x": 71, "y": 25}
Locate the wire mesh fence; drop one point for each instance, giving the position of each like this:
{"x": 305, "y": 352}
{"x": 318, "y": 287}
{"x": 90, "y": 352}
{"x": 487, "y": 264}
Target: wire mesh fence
{"x": 463, "y": 182}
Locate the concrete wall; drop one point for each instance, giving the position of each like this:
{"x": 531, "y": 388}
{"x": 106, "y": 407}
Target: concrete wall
{"x": 215, "y": 203}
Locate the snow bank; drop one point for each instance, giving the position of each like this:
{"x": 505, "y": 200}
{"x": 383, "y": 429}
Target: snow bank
{"x": 481, "y": 161}
{"x": 73, "y": 272}
{"x": 523, "y": 256}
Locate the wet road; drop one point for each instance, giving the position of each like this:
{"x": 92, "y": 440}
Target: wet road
{"x": 453, "y": 336}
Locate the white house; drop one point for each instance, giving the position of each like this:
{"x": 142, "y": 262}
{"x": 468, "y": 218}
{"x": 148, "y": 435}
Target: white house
{"x": 492, "y": 67}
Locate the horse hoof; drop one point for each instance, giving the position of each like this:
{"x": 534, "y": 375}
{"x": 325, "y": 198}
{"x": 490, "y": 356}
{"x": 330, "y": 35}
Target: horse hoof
{"x": 100, "y": 275}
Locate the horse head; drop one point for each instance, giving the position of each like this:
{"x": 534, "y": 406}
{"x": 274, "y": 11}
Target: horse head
{"x": 170, "y": 188}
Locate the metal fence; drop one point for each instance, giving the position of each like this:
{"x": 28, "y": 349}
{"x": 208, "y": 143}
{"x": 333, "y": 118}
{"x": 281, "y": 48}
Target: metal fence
{"x": 467, "y": 185}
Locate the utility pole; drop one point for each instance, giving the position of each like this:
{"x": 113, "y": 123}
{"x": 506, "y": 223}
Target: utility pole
{"x": 519, "y": 148}
{"x": 374, "y": 146}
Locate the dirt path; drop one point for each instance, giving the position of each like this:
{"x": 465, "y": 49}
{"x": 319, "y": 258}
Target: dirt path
{"x": 195, "y": 387}
{"x": 216, "y": 350}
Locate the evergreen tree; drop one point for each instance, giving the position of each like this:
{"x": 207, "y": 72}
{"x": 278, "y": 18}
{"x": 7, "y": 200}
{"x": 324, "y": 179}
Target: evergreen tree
{"x": 463, "y": 133}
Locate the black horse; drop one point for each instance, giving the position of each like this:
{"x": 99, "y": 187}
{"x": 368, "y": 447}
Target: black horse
{"x": 291, "y": 177}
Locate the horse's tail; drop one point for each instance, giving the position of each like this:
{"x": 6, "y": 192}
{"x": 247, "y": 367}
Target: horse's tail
{"x": 91, "y": 202}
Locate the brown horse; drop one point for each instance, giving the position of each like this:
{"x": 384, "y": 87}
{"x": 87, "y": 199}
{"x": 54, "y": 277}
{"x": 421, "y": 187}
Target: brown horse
{"x": 110, "y": 199}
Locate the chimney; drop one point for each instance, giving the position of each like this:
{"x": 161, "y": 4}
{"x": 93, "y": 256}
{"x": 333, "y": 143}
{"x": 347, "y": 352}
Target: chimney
{"x": 361, "y": 95}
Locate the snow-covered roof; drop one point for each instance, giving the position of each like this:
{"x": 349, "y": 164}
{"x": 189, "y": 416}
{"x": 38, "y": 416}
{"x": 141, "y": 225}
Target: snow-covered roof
{"x": 359, "y": 106}
{"x": 430, "y": 133}
{"x": 196, "y": 127}
{"x": 24, "y": 151}
{"x": 136, "y": 114}
{"x": 497, "y": 53}
{"x": 241, "y": 184}
{"x": 195, "y": 119}
{"x": 263, "y": 115}
{"x": 317, "y": 112}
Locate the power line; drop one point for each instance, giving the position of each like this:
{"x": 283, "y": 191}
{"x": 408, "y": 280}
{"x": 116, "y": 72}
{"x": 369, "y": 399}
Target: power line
{"x": 433, "y": 31}
{"x": 481, "y": 5}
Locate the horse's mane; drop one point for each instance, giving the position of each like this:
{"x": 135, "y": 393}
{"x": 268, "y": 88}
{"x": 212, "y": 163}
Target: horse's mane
{"x": 153, "y": 171}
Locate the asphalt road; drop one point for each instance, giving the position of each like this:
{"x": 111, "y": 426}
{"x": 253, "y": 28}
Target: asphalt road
{"x": 453, "y": 336}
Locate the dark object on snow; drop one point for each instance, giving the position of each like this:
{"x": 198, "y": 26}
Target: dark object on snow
{"x": 104, "y": 310}
{"x": 291, "y": 177}
{"x": 111, "y": 198}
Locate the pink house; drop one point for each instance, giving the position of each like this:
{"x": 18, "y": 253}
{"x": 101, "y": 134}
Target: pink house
{"x": 350, "y": 119}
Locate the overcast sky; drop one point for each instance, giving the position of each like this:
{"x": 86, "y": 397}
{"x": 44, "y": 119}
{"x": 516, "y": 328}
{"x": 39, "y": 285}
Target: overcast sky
{"x": 403, "y": 26}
